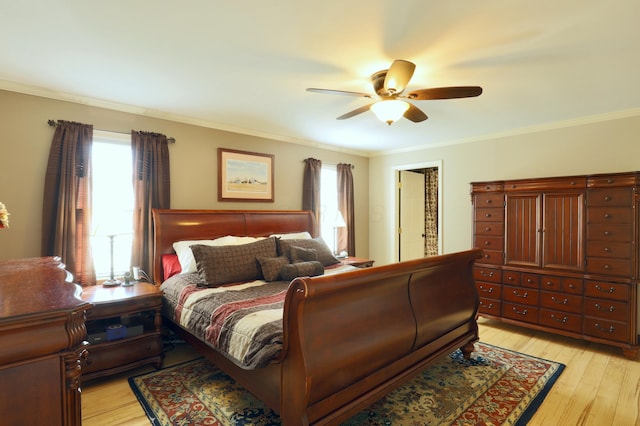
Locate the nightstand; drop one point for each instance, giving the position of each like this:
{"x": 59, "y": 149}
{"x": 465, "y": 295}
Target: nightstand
{"x": 123, "y": 328}
{"x": 358, "y": 262}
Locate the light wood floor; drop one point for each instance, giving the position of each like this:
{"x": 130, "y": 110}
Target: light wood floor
{"x": 598, "y": 387}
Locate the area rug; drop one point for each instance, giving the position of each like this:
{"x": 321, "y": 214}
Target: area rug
{"x": 495, "y": 387}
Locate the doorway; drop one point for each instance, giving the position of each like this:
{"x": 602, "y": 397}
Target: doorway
{"x": 418, "y": 212}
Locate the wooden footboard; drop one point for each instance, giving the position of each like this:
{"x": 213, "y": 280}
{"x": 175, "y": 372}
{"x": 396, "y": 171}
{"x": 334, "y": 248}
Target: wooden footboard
{"x": 350, "y": 339}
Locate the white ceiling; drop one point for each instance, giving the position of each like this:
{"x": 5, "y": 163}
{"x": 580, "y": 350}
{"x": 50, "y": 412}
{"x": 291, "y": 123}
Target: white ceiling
{"x": 244, "y": 65}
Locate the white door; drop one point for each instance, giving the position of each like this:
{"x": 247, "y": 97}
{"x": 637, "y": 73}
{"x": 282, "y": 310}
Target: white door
{"x": 411, "y": 223}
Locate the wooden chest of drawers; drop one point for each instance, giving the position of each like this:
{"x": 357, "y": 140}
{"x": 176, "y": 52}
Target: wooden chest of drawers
{"x": 561, "y": 254}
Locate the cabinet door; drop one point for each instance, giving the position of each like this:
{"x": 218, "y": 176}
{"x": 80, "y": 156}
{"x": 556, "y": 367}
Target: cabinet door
{"x": 523, "y": 228}
{"x": 563, "y": 231}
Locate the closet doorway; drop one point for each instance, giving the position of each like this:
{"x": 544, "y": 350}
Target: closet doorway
{"x": 418, "y": 212}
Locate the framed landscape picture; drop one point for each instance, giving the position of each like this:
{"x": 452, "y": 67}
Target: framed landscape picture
{"x": 245, "y": 176}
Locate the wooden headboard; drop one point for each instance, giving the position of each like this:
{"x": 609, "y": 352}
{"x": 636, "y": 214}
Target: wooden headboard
{"x": 177, "y": 225}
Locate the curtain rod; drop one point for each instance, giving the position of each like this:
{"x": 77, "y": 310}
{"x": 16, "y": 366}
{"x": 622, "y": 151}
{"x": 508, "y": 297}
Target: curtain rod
{"x": 54, "y": 123}
{"x": 334, "y": 164}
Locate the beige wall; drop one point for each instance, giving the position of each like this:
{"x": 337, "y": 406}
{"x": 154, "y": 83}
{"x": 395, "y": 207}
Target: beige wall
{"x": 25, "y": 138}
{"x": 598, "y": 147}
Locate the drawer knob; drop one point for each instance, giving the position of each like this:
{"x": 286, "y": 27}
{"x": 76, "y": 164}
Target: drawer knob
{"x": 549, "y": 283}
{"x": 517, "y": 294}
{"x": 607, "y": 249}
{"x": 486, "y": 243}
{"x": 558, "y": 301}
{"x": 607, "y": 233}
{"x": 607, "y": 198}
{"x": 529, "y": 280}
{"x": 489, "y": 306}
{"x": 486, "y": 290}
{"x": 510, "y": 278}
{"x": 487, "y": 229}
{"x": 607, "y": 266}
{"x": 572, "y": 285}
{"x": 607, "y": 216}
{"x": 487, "y": 215}
{"x": 488, "y": 201}
{"x": 556, "y": 319}
{"x": 486, "y": 274}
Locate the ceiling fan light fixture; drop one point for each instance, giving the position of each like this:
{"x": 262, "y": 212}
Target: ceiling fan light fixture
{"x": 389, "y": 111}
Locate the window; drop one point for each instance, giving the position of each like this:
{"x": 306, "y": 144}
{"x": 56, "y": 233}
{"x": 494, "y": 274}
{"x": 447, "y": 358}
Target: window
{"x": 329, "y": 217}
{"x": 112, "y": 199}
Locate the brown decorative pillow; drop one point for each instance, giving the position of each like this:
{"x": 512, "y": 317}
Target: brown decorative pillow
{"x": 299, "y": 254}
{"x": 217, "y": 265}
{"x": 271, "y": 267}
{"x": 323, "y": 252}
{"x": 301, "y": 269}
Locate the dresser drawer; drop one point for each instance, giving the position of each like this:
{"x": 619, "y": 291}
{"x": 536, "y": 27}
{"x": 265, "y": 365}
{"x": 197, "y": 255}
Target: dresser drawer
{"x": 511, "y": 278}
{"x": 561, "y": 302}
{"x": 491, "y": 257}
{"x": 609, "y": 249}
{"x": 610, "y": 215}
{"x": 489, "y": 215}
{"x": 118, "y": 353}
{"x": 609, "y": 330}
{"x": 530, "y": 280}
{"x": 619, "y": 267}
{"x": 548, "y": 282}
{"x": 572, "y": 285}
{"x": 495, "y": 229}
{"x": 487, "y": 274}
{"x": 605, "y": 290}
{"x": 611, "y": 310}
{"x": 609, "y": 232}
{"x": 520, "y": 312}
{"x": 610, "y": 197}
{"x": 490, "y": 290}
{"x": 561, "y": 320}
{"x": 521, "y": 295}
{"x": 489, "y": 306}
{"x": 489, "y": 242}
{"x": 495, "y": 200}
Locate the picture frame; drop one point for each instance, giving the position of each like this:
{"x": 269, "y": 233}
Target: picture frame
{"x": 245, "y": 176}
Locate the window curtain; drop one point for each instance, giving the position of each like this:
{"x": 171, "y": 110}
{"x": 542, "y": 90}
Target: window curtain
{"x": 151, "y": 189}
{"x": 66, "y": 209}
{"x": 431, "y": 211}
{"x": 347, "y": 235}
{"x": 311, "y": 188}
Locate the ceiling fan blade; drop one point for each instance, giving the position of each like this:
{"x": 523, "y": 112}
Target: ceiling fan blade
{"x": 398, "y": 76}
{"x": 415, "y": 114}
{"x": 354, "y": 112}
{"x": 337, "y": 92}
{"x": 445, "y": 93}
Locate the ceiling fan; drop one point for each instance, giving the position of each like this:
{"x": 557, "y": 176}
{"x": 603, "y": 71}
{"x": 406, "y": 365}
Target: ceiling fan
{"x": 389, "y": 86}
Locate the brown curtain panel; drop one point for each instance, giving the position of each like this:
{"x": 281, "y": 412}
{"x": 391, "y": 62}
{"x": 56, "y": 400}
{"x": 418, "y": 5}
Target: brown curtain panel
{"x": 431, "y": 211}
{"x": 151, "y": 189}
{"x": 66, "y": 210}
{"x": 346, "y": 236}
{"x": 311, "y": 188}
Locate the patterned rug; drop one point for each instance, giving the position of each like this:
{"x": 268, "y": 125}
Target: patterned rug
{"x": 495, "y": 387}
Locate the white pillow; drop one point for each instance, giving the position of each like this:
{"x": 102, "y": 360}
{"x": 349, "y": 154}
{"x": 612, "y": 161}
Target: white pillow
{"x": 185, "y": 255}
{"x": 293, "y": 236}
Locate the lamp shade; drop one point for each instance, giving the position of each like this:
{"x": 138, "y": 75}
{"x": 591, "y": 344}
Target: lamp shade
{"x": 390, "y": 110}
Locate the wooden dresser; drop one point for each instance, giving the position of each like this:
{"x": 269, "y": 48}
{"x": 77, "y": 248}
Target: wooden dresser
{"x": 42, "y": 331}
{"x": 561, "y": 255}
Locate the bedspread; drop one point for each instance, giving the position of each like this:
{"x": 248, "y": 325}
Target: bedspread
{"x": 242, "y": 321}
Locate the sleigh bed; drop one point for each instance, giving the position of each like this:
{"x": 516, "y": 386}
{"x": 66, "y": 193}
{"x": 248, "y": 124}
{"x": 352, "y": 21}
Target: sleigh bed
{"x": 346, "y": 338}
